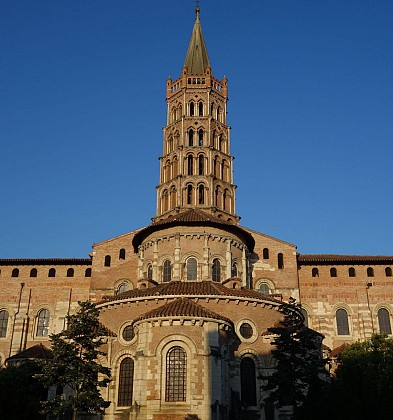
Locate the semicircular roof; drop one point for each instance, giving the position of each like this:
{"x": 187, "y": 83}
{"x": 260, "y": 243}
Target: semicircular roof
{"x": 190, "y": 288}
{"x": 194, "y": 217}
{"x": 182, "y": 307}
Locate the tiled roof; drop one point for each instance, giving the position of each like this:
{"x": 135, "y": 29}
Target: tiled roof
{"x": 327, "y": 259}
{"x": 39, "y": 351}
{"x": 45, "y": 261}
{"x": 182, "y": 307}
{"x": 338, "y": 350}
{"x": 193, "y": 217}
{"x": 190, "y": 288}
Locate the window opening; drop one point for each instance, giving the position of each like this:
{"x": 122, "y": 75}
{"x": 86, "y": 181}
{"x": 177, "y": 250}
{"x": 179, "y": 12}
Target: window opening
{"x": 384, "y": 321}
{"x": 216, "y": 271}
{"x": 265, "y": 253}
{"x": 280, "y": 260}
{"x": 342, "y": 322}
{"x": 176, "y": 374}
{"x": 201, "y": 198}
{"x": 126, "y": 383}
{"x": 43, "y": 323}
{"x": 3, "y": 323}
{"x": 248, "y": 382}
{"x": 192, "y": 266}
{"x": 167, "y": 271}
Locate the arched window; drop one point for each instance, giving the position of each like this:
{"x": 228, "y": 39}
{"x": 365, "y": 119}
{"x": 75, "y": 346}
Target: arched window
{"x": 191, "y": 138}
{"x": 315, "y": 272}
{"x": 384, "y": 321}
{"x": 176, "y": 374}
{"x": 201, "y": 194}
{"x": 264, "y": 289}
{"x": 200, "y": 137}
{"x": 342, "y": 322}
{"x": 33, "y": 272}
{"x": 122, "y": 254}
{"x": 200, "y": 109}
{"x": 218, "y": 113}
{"x": 388, "y": 272}
{"x": 333, "y": 272}
{"x": 88, "y": 272}
{"x": 216, "y": 270}
{"x": 192, "y": 109}
{"x": 223, "y": 170}
{"x": 189, "y": 194}
{"x": 122, "y": 287}
{"x": 215, "y": 166}
{"x": 192, "y": 266}
{"x": 3, "y": 323}
{"x": 70, "y": 272}
{"x": 280, "y": 260}
{"x": 167, "y": 271}
{"x": 212, "y": 138}
{"x": 248, "y": 382}
{"x": 175, "y": 166}
{"x": 370, "y": 272}
{"x": 165, "y": 201}
{"x": 351, "y": 272}
{"x": 201, "y": 165}
{"x": 107, "y": 261}
{"x": 43, "y": 318}
{"x": 172, "y": 196}
{"x": 15, "y": 272}
{"x": 52, "y": 272}
{"x": 190, "y": 164}
{"x": 305, "y": 314}
{"x": 150, "y": 272}
{"x": 234, "y": 269}
{"x": 265, "y": 253}
{"x": 126, "y": 383}
{"x": 224, "y": 200}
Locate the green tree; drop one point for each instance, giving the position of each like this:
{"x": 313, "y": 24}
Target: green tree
{"x": 75, "y": 365}
{"x": 300, "y": 376}
{"x": 20, "y": 391}
{"x": 363, "y": 384}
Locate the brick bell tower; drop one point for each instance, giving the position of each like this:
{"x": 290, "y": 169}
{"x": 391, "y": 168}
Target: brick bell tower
{"x": 196, "y": 164}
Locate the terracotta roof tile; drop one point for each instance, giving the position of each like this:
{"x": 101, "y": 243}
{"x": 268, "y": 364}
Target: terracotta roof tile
{"x": 45, "y": 261}
{"x": 182, "y": 307}
{"x": 338, "y": 350}
{"x": 194, "y": 217}
{"x": 327, "y": 259}
{"x": 39, "y": 351}
{"x": 190, "y": 288}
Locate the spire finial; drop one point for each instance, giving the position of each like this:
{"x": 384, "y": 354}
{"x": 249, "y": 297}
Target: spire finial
{"x": 197, "y": 9}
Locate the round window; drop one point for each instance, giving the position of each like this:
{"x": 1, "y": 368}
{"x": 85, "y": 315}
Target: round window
{"x": 128, "y": 333}
{"x": 246, "y": 330}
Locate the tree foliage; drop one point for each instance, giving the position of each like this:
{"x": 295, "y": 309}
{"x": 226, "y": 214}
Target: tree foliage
{"x": 20, "y": 391}
{"x": 75, "y": 365}
{"x": 363, "y": 384}
{"x": 300, "y": 374}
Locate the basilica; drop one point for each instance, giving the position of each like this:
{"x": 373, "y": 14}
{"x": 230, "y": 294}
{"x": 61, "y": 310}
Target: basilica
{"x": 189, "y": 298}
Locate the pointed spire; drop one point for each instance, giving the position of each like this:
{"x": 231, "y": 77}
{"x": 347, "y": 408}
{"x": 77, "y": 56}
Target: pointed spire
{"x": 197, "y": 59}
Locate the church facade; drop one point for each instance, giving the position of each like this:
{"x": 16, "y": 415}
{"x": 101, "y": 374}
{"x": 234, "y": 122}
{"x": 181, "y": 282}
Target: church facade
{"x": 190, "y": 297}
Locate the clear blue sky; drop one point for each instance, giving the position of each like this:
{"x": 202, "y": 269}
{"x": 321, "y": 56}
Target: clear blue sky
{"x": 82, "y": 106}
